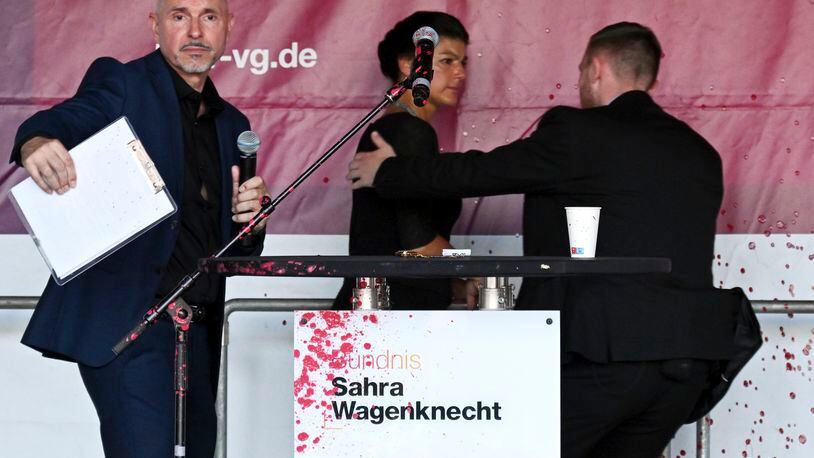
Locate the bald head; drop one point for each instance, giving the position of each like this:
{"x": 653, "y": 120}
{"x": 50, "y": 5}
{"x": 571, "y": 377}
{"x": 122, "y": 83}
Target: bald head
{"x": 159, "y": 4}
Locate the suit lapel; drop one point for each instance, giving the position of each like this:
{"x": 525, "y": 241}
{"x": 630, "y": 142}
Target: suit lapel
{"x": 172, "y": 163}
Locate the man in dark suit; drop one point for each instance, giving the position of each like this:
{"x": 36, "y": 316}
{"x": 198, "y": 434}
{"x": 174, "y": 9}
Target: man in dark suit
{"x": 636, "y": 350}
{"x": 190, "y": 134}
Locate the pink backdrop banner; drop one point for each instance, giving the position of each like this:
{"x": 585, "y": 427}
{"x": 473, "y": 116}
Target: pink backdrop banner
{"x": 304, "y": 71}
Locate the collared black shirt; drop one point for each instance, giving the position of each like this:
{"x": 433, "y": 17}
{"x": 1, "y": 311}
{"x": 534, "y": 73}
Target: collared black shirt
{"x": 199, "y": 234}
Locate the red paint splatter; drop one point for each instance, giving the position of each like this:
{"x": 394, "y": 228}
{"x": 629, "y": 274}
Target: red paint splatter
{"x": 301, "y": 448}
{"x": 301, "y": 381}
{"x": 374, "y": 319}
{"x": 305, "y": 403}
{"x": 331, "y": 392}
{"x": 296, "y": 353}
{"x": 306, "y": 317}
{"x": 367, "y": 346}
{"x": 346, "y": 348}
{"x": 332, "y": 319}
{"x": 309, "y": 363}
{"x": 302, "y": 436}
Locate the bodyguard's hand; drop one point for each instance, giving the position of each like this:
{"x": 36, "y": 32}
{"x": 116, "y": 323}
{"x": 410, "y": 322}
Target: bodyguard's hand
{"x": 362, "y": 169}
{"x": 472, "y": 293}
{"x": 246, "y": 199}
{"x": 49, "y": 164}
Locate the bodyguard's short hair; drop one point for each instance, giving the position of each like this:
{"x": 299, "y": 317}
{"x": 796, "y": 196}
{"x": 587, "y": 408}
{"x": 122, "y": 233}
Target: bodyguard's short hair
{"x": 398, "y": 42}
{"x": 634, "y": 50}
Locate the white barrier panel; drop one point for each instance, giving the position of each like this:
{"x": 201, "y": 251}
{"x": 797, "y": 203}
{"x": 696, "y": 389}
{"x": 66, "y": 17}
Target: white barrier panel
{"x": 442, "y": 383}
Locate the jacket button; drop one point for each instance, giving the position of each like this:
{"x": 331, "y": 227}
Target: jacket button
{"x": 174, "y": 224}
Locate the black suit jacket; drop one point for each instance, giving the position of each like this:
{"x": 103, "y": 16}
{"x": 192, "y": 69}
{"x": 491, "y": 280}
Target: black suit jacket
{"x": 83, "y": 319}
{"x": 660, "y": 187}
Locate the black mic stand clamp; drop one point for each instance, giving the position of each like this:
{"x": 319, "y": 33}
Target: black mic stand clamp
{"x": 182, "y": 314}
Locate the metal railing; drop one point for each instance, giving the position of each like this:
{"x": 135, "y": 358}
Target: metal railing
{"x": 249, "y": 305}
{"x": 702, "y": 427}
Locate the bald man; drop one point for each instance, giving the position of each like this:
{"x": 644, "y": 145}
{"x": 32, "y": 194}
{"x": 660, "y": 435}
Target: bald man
{"x": 189, "y": 132}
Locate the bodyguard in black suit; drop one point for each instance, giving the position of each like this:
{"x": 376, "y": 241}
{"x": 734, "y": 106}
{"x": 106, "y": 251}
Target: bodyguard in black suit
{"x": 190, "y": 134}
{"x": 637, "y": 350}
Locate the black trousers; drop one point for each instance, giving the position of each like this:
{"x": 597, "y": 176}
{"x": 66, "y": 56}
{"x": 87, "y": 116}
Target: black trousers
{"x": 134, "y": 396}
{"x": 626, "y": 410}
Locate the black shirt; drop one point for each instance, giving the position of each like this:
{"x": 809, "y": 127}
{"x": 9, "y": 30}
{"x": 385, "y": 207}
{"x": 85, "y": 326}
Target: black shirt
{"x": 199, "y": 234}
{"x": 380, "y": 227}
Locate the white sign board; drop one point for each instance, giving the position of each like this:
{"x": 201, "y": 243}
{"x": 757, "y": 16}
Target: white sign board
{"x": 441, "y": 383}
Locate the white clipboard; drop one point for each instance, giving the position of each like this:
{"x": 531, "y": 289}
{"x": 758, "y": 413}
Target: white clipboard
{"x": 119, "y": 195}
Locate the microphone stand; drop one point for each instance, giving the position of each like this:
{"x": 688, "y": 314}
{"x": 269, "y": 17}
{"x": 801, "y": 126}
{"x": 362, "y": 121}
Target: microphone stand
{"x": 181, "y": 313}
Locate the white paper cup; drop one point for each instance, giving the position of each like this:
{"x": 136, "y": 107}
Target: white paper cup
{"x": 583, "y": 224}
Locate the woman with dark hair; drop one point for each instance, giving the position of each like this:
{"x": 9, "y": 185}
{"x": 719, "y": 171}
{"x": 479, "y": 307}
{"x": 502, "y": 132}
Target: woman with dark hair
{"x": 381, "y": 227}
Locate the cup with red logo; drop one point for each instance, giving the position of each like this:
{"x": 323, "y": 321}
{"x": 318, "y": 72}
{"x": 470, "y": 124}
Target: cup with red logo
{"x": 583, "y": 224}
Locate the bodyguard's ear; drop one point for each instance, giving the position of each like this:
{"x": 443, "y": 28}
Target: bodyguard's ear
{"x": 597, "y": 65}
{"x": 405, "y": 65}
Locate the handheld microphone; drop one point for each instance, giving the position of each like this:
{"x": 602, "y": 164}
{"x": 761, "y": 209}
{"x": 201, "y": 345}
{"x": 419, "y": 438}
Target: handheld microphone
{"x": 248, "y": 143}
{"x": 425, "y": 40}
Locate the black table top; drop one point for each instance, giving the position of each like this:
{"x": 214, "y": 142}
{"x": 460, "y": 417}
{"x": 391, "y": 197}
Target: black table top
{"x": 392, "y": 266}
